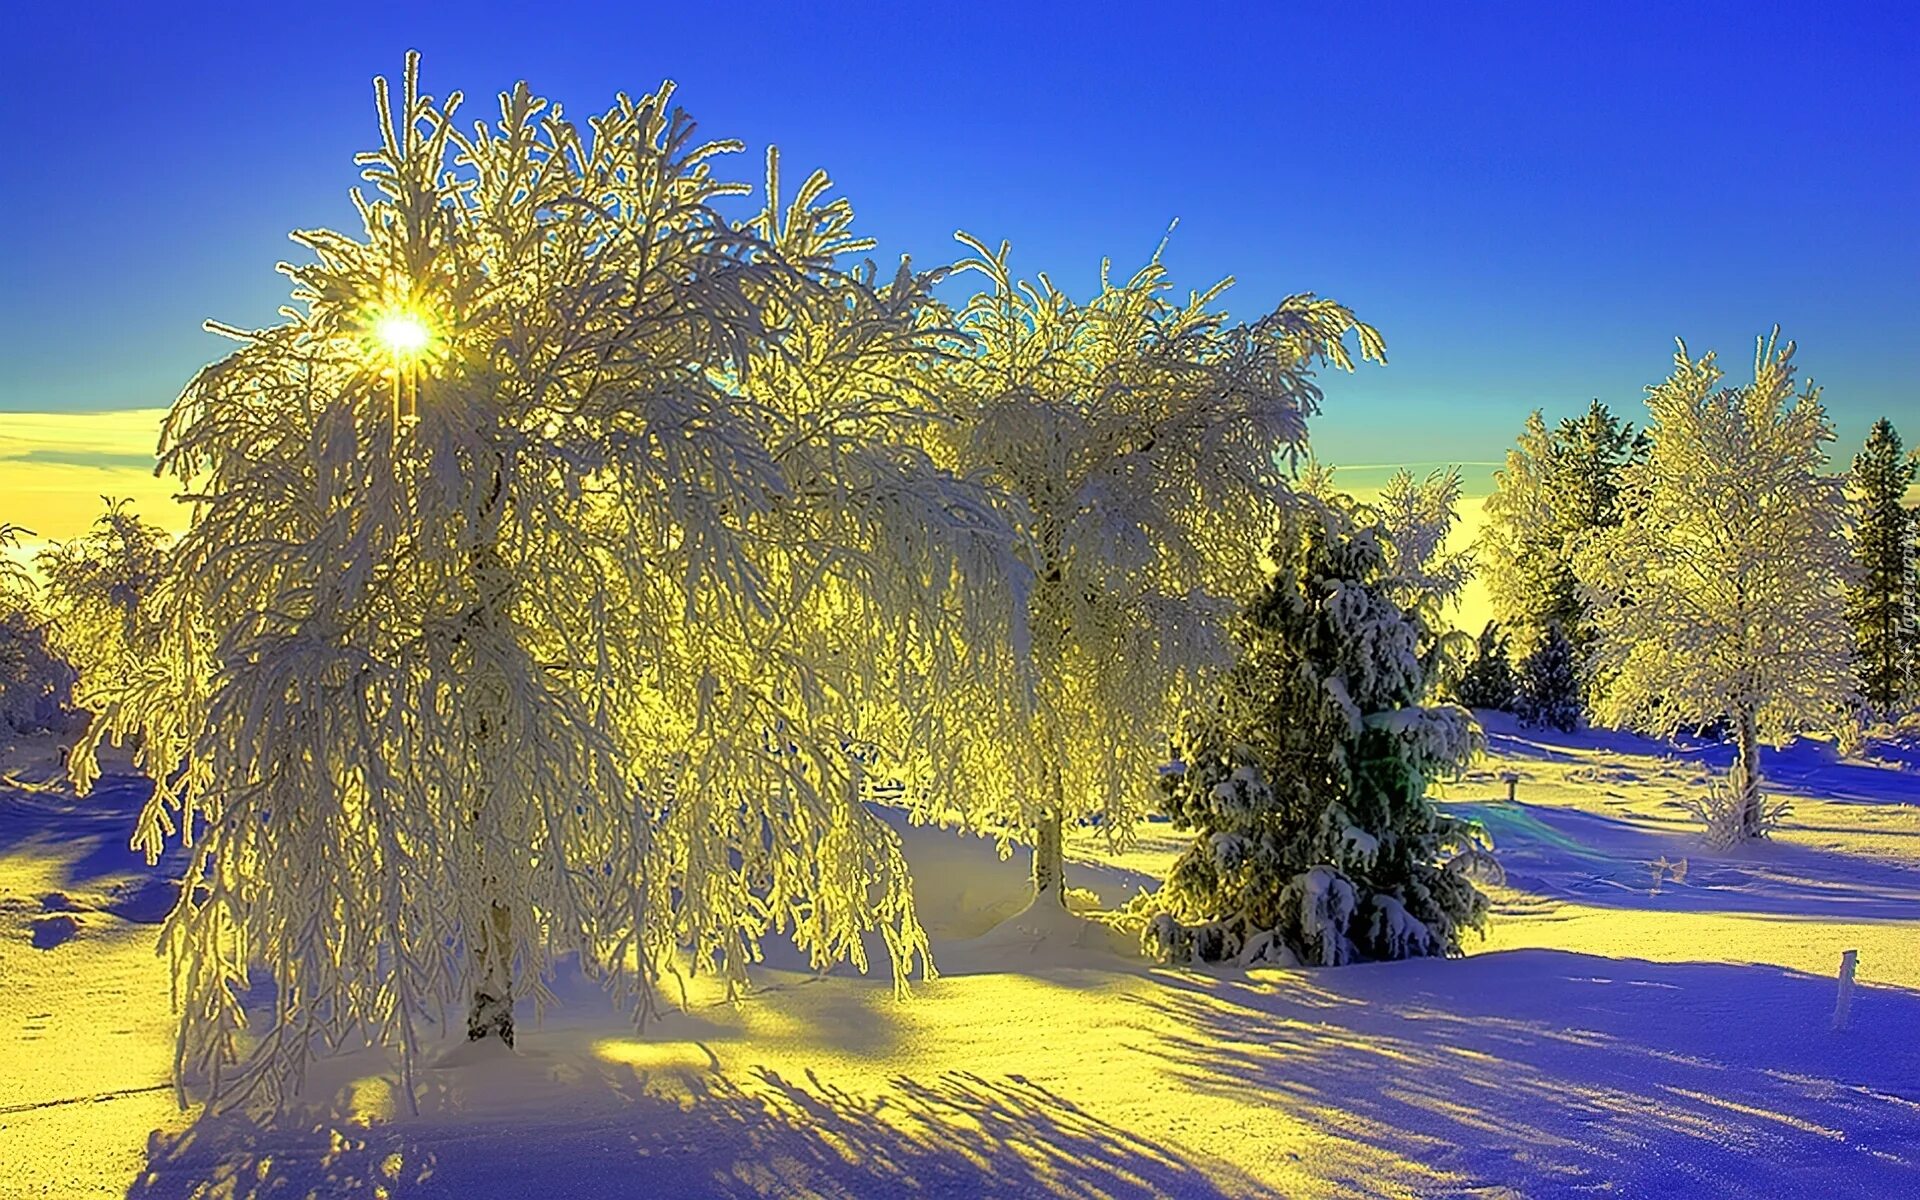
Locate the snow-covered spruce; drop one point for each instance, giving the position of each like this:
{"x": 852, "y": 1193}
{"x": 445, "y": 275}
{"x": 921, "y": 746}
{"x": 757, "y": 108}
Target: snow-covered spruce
{"x": 1488, "y": 681}
{"x": 1547, "y": 693}
{"x": 1305, "y": 776}
{"x": 1722, "y": 593}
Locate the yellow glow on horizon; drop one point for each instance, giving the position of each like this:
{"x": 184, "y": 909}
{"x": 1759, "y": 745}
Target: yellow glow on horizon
{"x": 55, "y": 467}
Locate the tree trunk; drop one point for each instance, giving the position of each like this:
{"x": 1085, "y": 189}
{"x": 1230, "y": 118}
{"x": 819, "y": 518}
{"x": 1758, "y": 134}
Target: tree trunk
{"x": 490, "y": 1011}
{"x": 1049, "y": 865}
{"x": 1049, "y": 860}
{"x": 1746, "y": 779}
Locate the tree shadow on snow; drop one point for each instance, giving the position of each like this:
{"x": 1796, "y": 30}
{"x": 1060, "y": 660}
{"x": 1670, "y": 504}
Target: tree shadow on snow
{"x": 90, "y": 835}
{"x": 1554, "y": 1074}
{"x": 959, "y": 1136}
{"x": 1804, "y": 767}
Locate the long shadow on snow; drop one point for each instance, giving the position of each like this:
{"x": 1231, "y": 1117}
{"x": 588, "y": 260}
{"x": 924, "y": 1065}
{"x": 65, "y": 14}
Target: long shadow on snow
{"x": 1804, "y": 767}
{"x": 1594, "y": 859}
{"x": 1554, "y": 1074}
{"x": 959, "y": 1136}
{"x": 91, "y": 833}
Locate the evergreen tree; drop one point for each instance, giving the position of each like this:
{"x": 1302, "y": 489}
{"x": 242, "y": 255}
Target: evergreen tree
{"x": 1722, "y": 593}
{"x": 1489, "y": 680}
{"x": 1590, "y": 454}
{"x": 1558, "y": 487}
{"x": 1882, "y": 602}
{"x": 1548, "y": 693}
{"x": 1521, "y": 554}
{"x": 1305, "y": 782}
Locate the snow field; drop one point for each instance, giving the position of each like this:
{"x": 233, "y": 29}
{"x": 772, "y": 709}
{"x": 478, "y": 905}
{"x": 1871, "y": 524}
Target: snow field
{"x": 1609, "y": 1036}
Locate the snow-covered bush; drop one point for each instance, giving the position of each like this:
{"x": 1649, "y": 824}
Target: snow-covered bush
{"x": 1304, "y": 776}
{"x": 1547, "y": 693}
{"x": 1722, "y": 812}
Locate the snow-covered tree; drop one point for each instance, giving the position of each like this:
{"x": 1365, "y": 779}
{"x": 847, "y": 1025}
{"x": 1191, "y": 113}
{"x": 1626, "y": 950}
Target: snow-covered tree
{"x": 1558, "y": 486}
{"x": 36, "y": 684}
{"x": 1548, "y": 690}
{"x": 1590, "y": 453}
{"x": 97, "y": 592}
{"x": 1488, "y": 681}
{"x": 1521, "y": 554}
{"x": 1142, "y": 446}
{"x": 561, "y": 568}
{"x": 1304, "y": 775}
{"x": 1722, "y": 592}
{"x": 1416, "y": 519}
{"x": 1883, "y": 605}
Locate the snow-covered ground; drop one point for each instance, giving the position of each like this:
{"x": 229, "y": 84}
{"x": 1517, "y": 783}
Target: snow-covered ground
{"x": 1611, "y": 1035}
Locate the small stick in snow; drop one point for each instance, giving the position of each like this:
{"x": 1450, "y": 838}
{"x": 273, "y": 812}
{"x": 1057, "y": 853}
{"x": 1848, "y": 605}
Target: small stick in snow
{"x": 1512, "y": 780}
{"x": 1843, "y": 999}
{"x": 1662, "y": 868}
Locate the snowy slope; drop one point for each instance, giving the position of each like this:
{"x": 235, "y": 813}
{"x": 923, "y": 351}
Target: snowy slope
{"x": 1608, "y": 1037}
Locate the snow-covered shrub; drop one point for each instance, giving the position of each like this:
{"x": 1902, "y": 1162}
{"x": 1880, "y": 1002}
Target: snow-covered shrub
{"x": 1722, "y": 814}
{"x": 1548, "y": 691}
{"x": 1305, "y": 776}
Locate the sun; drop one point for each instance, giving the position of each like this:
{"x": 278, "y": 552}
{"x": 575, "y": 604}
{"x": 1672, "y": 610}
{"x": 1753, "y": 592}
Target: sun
{"x": 402, "y": 334}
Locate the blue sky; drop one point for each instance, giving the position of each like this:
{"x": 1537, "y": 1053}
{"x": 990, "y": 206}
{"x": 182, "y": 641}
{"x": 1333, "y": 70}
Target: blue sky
{"x": 1530, "y": 203}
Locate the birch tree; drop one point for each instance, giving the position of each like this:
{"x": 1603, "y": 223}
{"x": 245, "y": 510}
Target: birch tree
{"x": 559, "y": 567}
{"x": 1142, "y": 446}
{"x": 1722, "y": 592}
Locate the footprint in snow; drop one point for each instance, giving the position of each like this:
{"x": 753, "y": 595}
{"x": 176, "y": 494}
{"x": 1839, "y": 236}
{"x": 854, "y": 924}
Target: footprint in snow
{"x": 49, "y": 932}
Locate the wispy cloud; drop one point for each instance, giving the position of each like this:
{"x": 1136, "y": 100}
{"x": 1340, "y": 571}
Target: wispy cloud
{"x": 55, "y": 467}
